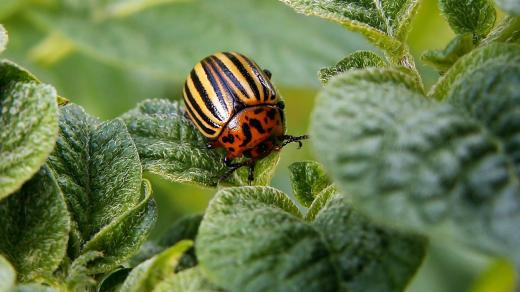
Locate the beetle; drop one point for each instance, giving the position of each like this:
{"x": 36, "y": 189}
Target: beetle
{"x": 233, "y": 103}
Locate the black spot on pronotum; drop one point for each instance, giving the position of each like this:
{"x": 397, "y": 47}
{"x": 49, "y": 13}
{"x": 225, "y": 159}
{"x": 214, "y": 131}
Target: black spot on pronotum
{"x": 247, "y": 134}
{"x": 271, "y": 113}
{"x": 228, "y": 139}
{"x": 258, "y": 110}
{"x": 257, "y": 125}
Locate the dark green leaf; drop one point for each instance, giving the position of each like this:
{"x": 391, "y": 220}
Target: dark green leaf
{"x": 476, "y": 17}
{"x": 113, "y": 281}
{"x": 496, "y": 53}
{"x": 308, "y": 179}
{"x": 7, "y": 275}
{"x": 385, "y": 23}
{"x": 510, "y": 6}
{"x": 356, "y": 60}
{"x": 171, "y": 146}
{"x": 418, "y": 164}
{"x": 254, "y": 239}
{"x": 191, "y": 280}
{"x": 140, "y": 41}
{"x": 98, "y": 169}
{"x": 3, "y": 38}
{"x": 28, "y": 126}
{"x": 442, "y": 60}
{"x": 34, "y": 226}
{"x": 150, "y": 273}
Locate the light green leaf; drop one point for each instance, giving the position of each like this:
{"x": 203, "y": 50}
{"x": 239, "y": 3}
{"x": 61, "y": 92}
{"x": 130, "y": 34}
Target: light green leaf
{"x": 102, "y": 187}
{"x": 356, "y": 60}
{"x": 385, "y": 23}
{"x": 11, "y": 72}
{"x": 32, "y": 287}
{"x": 254, "y": 239}
{"x": 496, "y": 53}
{"x": 308, "y": 179}
{"x": 148, "y": 274}
{"x": 442, "y": 60}
{"x": 510, "y": 6}
{"x": 140, "y": 42}
{"x": 7, "y": 275}
{"x": 28, "y": 127}
{"x": 34, "y": 227}
{"x": 3, "y": 38}
{"x": 418, "y": 164}
{"x": 191, "y": 280}
{"x": 171, "y": 146}
{"x": 321, "y": 199}
{"x": 476, "y": 17}
{"x": 507, "y": 31}
{"x": 491, "y": 95}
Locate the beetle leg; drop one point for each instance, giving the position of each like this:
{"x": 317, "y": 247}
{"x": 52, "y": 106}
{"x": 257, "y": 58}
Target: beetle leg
{"x": 251, "y": 173}
{"x": 294, "y": 139}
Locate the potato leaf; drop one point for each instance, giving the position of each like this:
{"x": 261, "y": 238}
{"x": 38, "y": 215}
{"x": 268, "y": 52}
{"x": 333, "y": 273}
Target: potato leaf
{"x": 3, "y": 38}
{"x": 254, "y": 239}
{"x": 385, "y": 23}
{"x": 98, "y": 169}
{"x": 28, "y": 126}
{"x": 191, "y": 280}
{"x": 356, "y": 60}
{"x": 442, "y": 60}
{"x": 7, "y": 275}
{"x": 419, "y": 164}
{"x": 510, "y": 6}
{"x": 34, "y": 227}
{"x": 308, "y": 179}
{"x": 475, "y": 17}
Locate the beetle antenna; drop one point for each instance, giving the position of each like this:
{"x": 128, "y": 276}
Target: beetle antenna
{"x": 294, "y": 139}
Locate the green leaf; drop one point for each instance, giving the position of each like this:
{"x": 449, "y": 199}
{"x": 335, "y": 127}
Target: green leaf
{"x": 148, "y": 274}
{"x": 28, "y": 127}
{"x": 507, "y": 31}
{"x": 385, "y": 23}
{"x": 418, "y": 164}
{"x": 491, "y": 95}
{"x": 113, "y": 281}
{"x": 475, "y": 17}
{"x": 3, "y": 38}
{"x": 442, "y": 60}
{"x": 496, "y": 53}
{"x": 510, "y": 6}
{"x": 11, "y": 72}
{"x": 191, "y": 280}
{"x": 32, "y": 287}
{"x": 308, "y": 179}
{"x": 98, "y": 169}
{"x": 171, "y": 146}
{"x": 34, "y": 227}
{"x": 356, "y": 60}
{"x": 7, "y": 275}
{"x": 140, "y": 42}
{"x": 321, "y": 199}
{"x": 254, "y": 239}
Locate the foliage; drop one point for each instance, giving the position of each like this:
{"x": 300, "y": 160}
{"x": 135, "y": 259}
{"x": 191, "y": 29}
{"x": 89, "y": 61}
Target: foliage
{"x": 403, "y": 172}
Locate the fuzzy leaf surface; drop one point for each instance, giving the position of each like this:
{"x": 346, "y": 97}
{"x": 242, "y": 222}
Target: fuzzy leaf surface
{"x": 150, "y": 273}
{"x": 356, "y": 60}
{"x": 170, "y": 145}
{"x": 475, "y": 17}
{"x": 191, "y": 280}
{"x": 140, "y": 42}
{"x": 34, "y": 227}
{"x": 496, "y": 53}
{"x": 442, "y": 60}
{"x": 385, "y": 23}
{"x": 28, "y": 126}
{"x": 421, "y": 165}
{"x": 308, "y": 179}
{"x": 254, "y": 239}
{"x": 98, "y": 169}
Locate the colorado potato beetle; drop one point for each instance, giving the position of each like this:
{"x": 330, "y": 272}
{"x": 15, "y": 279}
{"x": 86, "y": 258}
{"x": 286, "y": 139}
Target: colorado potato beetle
{"x": 233, "y": 103}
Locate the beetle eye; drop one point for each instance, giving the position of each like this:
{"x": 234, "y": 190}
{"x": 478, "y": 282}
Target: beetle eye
{"x": 268, "y": 73}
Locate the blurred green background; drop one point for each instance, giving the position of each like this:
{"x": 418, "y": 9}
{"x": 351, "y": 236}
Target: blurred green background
{"x": 107, "y": 55}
